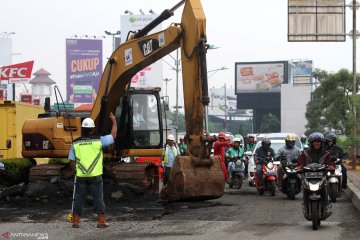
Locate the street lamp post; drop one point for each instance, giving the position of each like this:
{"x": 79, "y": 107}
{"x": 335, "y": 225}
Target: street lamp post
{"x": 113, "y": 36}
{"x": 7, "y": 34}
{"x": 166, "y": 80}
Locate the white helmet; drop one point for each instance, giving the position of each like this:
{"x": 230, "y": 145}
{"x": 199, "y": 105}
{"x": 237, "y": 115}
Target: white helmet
{"x": 88, "y": 123}
{"x": 236, "y": 140}
{"x": 170, "y": 137}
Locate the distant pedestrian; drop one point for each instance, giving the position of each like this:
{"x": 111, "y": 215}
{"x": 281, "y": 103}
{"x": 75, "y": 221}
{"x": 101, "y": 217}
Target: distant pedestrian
{"x": 183, "y": 146}
{"x": 169, "y": 154}
{"x": 219, "y": 149}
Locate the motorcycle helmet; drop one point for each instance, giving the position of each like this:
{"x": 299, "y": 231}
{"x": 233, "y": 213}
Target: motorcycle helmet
{"x": 316, "y": 136}
{"x": 265, "y": 143}
{"x": 290, "y": 141}
{"x": 250, "y": 138}
{"x": 330, "y": 139}
{"x": 221, "y": 135}
{"x": 303, "y": 138}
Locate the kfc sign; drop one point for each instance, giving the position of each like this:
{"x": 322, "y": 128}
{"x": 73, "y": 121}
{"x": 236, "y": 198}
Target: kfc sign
{"x": 17, "y": 73}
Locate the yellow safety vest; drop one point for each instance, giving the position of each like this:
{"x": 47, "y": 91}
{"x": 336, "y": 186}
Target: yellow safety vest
{"x": 166, "y": 155}
{"x": 89, "y": 157}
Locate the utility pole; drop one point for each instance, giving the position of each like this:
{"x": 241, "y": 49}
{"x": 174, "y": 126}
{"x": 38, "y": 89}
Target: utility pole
{"x": 354, "y": 128}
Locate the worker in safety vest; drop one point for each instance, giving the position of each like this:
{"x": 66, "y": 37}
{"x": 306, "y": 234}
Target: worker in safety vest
{"x": 169, "y": 154}
{"x": 86, "y": 152}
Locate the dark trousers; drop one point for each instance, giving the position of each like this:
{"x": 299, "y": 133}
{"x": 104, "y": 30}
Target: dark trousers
{"x": 166, "y": 175}
{"x": 95, "y": 186}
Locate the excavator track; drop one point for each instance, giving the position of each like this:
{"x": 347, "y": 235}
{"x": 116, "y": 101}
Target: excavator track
{"x": 145, "y": 175}
{"x": 46, "y": 172}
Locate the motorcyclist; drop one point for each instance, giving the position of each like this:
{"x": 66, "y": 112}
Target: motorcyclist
{"x": 286, "y": 154}
{"x": 304, "y": 142}
{"x": 234, "y": 153}
{"x": 316, "y": 154}
{"x": 336, "y": 152}
{"x": 250, "y": 143}
{"x": 262, "y": 153}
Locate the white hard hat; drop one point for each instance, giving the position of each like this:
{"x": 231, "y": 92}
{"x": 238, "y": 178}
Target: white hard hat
{"x": 88, "y": 123}
{"x": 170, "y": 137}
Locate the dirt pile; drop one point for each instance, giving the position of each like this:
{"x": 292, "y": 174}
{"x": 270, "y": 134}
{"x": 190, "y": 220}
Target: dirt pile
{"x": 59, "y": 191}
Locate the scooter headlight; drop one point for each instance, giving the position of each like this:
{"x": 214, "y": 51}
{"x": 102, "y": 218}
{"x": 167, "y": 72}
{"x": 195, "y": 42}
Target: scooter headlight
{"x": 270, "y": 165}
{"x": 314, "y": 186}
{"x": 238, "y": 162}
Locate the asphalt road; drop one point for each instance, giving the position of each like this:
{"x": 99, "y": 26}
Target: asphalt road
{"x": 239, "y": 214}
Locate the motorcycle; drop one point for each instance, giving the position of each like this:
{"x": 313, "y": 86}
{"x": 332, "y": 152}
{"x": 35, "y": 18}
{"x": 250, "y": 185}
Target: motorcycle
{"x": 315, "y": 193}
{"x": 291, "y": 180}
{"x": 251, "y": 168}
{"x": 269, "y": 177}
{"x": 238, "y": 172}
{"x": 335, "y": 181}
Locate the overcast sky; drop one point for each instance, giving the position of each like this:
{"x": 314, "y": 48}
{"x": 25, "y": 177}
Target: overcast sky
{"x": 244, "y": 30}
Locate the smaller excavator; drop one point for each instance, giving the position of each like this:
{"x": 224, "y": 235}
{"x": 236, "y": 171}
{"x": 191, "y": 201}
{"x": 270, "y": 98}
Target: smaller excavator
{"x": 195, "y": 176}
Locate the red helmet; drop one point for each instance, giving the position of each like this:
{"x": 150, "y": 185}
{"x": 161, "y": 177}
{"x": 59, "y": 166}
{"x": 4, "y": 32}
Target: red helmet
{"x": 221, "y": 135}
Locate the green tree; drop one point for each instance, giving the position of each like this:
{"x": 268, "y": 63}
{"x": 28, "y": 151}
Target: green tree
{"x": 331, "y": 102}
{"x": 269, "y": 123}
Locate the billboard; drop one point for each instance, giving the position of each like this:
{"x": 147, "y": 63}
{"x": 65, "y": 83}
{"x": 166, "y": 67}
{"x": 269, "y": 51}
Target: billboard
{"x": 83, "y": 70}
{"x": 152, "y": 75}
{"x": 301, "y": 72}
{"x": 260, "y": 77}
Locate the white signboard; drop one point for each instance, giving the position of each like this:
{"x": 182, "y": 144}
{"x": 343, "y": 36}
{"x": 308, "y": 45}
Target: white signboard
{"x": 152, "y": 75}
{"x": 316, "y": 20}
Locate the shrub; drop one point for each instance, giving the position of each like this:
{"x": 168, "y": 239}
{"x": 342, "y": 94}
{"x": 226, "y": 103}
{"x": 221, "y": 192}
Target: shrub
{"x": 16, "y": 170}
{"x": 58, "y": 160}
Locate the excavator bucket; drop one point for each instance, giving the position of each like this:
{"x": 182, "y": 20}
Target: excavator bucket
{"x": 189, "y": 181}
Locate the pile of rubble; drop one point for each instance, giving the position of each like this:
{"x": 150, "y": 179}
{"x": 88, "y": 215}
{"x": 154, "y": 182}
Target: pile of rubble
{"x": 59, "y": 191}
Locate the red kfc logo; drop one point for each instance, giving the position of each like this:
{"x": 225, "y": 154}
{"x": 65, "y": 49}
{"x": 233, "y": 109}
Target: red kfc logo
{"x": 17, "y": 71}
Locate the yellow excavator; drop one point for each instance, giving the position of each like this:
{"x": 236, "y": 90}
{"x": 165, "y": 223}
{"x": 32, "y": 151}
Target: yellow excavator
{"x": 195, "y": 176}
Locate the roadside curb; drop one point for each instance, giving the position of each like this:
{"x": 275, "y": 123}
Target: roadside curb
{"x": 354, "y": 194}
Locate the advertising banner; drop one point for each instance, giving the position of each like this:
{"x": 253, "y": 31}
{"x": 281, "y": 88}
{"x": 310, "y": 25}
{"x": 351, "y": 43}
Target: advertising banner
{"x": 152, "y": 75}
{"x": 83, "y": 70}
{"x": 259, "y": 77}
{"x": 17, "y": 73}
{"x": 301, "y": 72}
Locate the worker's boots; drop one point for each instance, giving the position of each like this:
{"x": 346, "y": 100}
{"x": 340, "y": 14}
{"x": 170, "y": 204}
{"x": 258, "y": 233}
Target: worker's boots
{"x": 101, "y": 221}
{"x": 76, "y": 221}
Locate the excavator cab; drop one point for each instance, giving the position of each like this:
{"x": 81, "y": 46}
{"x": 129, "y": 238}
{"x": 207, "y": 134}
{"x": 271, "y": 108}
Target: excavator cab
{"x": 140, "y": 137}
{"x": 140, "y": 120}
